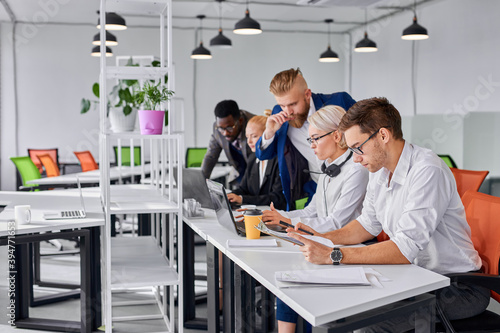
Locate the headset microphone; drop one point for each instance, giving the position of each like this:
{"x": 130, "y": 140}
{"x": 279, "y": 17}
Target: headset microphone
{"x": 332, "y": 170}
{"x": 309, "y": 171}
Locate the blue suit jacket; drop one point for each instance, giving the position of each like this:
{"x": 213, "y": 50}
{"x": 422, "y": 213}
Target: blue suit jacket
{"x": 277, "y": 147}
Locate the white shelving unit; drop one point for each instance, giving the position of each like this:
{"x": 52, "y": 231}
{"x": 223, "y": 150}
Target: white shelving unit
{"x": 145, "y": 261}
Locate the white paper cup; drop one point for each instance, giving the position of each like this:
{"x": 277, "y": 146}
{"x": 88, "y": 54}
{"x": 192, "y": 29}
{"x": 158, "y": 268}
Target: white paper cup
{"x": 22, "y": 214}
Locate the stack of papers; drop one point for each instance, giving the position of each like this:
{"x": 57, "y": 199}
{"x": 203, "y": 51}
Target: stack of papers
{"x": 332, "y": 277}
{"x": 252, "y": 243}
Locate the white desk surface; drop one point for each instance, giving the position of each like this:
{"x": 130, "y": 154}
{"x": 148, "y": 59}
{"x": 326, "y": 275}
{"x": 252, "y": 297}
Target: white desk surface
{"x": 50, "y": 200}
{"x": 317, "y": 305}
{"x": 91, "y": 177}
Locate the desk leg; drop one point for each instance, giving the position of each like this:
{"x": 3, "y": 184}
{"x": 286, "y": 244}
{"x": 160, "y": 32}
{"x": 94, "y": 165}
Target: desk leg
{"x": 228, "y": 294}
{"x": 95, "y": 269}
{"x": 213, "y": 288}
{"x": 21, "y": 293}
{"x": 245, "y": 298}
{"x": 190, "y": 320}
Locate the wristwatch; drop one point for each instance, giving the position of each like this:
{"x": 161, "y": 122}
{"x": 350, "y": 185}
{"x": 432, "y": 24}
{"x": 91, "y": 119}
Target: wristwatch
{"x": 336, "y": 256}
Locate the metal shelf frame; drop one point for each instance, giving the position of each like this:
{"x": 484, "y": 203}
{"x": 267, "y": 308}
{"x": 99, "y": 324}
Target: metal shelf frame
{"x": 164, "y": 204}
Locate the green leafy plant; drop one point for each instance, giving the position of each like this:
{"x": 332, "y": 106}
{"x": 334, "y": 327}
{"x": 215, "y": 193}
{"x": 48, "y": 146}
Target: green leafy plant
{"x": 152, "y": 95}
{"x": 122, "y": 95}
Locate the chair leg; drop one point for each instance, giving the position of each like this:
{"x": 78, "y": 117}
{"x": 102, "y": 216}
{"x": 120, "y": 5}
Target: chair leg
{"x": 444, "y": 320}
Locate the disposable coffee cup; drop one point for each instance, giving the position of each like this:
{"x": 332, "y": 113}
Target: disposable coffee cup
{"x": 252, "y": 218}
{"x": 22, "y": 214}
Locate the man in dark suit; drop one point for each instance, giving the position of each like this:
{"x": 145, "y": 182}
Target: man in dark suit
{"x": 228, "y": 135}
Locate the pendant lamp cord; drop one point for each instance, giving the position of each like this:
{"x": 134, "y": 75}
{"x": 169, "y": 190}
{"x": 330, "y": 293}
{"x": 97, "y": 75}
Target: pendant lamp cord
{"x": 220, "y": 15}
{"x": 329, "y": 44}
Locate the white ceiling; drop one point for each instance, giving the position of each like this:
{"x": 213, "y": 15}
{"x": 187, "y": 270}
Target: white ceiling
{"x": 273, "y": 15}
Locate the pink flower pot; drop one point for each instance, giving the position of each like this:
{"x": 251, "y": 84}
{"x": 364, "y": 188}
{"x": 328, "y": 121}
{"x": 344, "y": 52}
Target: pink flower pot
{"x": 151, "y": 122}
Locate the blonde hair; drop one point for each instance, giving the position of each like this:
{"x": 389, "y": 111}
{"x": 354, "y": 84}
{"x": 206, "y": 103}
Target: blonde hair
{"x": 259, "y": 121}
{"x": 327, "y": 119}
{"x": 284, "y": 81}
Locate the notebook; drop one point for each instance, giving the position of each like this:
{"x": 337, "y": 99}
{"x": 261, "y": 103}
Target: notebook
{"x": 68, "y": 214}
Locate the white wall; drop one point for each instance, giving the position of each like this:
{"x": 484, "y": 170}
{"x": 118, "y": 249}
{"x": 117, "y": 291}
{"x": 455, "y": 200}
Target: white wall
{"x": 462, "y": 52}
{"x": 458, "y": 76}
{"x": 55, "y": 70}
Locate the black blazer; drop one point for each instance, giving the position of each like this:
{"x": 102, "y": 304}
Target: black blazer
{"x": 270, "y": 191}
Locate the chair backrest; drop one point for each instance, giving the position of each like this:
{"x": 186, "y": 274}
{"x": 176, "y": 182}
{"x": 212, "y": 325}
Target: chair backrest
{"x": 51, "y": 168}
{"x": 126, "y": 155}
{"x": 26, "y": 168}
{"x": 87, "y": 161}
{"x": 448, "y": 160}
{"x": 482, "y": 212}
{"x": 301, "y": 203}
{"x": 194, "y": 157}
{"x": 33, "y": 153}
{"x": 382, "y": 237}
{"x": 468, "y": 179}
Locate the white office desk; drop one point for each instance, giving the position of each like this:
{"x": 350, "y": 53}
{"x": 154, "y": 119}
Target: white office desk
{"x": 91, "y": 177}
{"x": 50, "y": 200}
{"x": 20, "y": 261}
{"x": 317, "y": 305}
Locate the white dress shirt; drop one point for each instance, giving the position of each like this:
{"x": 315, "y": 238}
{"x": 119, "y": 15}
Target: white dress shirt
{"x": 337, "y": 200}
{"x": 298, "y": 137}
{"x": 421, "y": 211}
{"x": 262, "y": 165}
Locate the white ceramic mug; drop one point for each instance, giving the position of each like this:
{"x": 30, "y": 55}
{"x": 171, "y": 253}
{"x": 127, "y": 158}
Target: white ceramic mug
{"x": 22, "y": 214}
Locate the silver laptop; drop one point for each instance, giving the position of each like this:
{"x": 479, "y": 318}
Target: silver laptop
{"x": 222, "y": 208}
{"x": 68, "y": 214}
{"x": 194, "y": 186}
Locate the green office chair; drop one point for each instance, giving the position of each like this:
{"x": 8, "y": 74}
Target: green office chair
{"x": 301, "y": 203}
{"x": 27, "y": 170}
{"x": 194, "y": 157}
{"x": 449, "y": 161}
{"x": 126, "y": 155}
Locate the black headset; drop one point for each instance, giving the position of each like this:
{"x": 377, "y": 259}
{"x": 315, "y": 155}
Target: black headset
{"x": 332, "y": 170}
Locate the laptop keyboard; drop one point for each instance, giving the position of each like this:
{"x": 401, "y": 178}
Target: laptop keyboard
{"x": 72, "y": 213}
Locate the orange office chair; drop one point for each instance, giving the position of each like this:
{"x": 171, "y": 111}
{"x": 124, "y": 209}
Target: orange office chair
{"x": 87, "y": 161}
{"x": 482, "y": 211}
{"x": 382, "y": 237}
{"x": 468, "y": 179}
{"x": 51, "y": 168}
{"x": 33, "y": 153}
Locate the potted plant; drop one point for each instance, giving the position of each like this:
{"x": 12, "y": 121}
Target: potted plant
{"x": 151, "y": 119}
{"x": 122, "y": 103}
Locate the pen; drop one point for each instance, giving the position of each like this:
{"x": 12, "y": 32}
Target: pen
{"x": 292, "y": 226}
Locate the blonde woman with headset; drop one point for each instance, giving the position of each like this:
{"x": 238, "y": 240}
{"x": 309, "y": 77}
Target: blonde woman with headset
{"x": 342, "y": 184}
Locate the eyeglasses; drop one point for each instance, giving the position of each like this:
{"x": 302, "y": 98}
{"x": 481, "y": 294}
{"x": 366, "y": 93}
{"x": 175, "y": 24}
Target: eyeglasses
{"x": 357, "y": 149}
{"x": 315, "y": 140}
{"x": 228, "y": 129}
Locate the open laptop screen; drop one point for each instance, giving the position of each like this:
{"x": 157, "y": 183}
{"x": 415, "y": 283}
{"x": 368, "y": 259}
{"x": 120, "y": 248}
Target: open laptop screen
{"x": 222, "y": 207}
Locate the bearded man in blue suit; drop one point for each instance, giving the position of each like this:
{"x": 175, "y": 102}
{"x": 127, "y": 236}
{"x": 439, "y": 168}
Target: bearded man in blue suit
{"x": 287, "y": 130}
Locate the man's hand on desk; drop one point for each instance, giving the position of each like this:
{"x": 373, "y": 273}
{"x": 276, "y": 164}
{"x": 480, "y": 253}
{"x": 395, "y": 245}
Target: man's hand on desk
{"x": 314, "y": 252}
{"x": 273, "y": 217}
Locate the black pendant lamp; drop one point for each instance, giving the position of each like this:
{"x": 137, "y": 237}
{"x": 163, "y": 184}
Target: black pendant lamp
{"x": 113, "y": 22}
{"x": 96, "y": 52}
{"x": 110, "y": 39}
{"x": 220, "y": 40}
{"x": 366, "y": 44}
{"x": 247, "y": 25}
{"x": 329, "y": 55}
{"x": 201, "y": 52}
{"x": 415, "y": 31}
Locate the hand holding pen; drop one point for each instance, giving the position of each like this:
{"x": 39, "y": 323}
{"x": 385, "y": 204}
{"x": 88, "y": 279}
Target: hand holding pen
{"x": 292, "y": 226}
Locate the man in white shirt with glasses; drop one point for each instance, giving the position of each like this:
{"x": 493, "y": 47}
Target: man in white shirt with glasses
{"x": 412, "y": 197}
